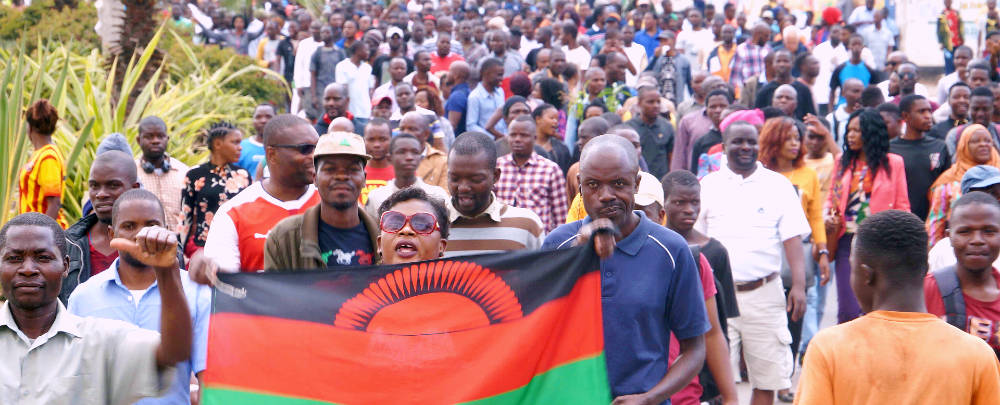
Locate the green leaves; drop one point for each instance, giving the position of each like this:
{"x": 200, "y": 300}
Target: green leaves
{"x": 81, "y": 87}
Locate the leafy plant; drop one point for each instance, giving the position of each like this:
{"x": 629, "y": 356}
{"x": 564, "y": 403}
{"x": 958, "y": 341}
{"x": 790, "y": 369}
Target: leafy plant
{"x": 82, "y": 89}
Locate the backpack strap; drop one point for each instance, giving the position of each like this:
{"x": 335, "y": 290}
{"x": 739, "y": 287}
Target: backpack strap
{"x": 951, "y": 294}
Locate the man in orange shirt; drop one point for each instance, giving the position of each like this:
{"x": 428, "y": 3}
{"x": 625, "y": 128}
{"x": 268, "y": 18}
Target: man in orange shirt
{"x": 897, "y": 353}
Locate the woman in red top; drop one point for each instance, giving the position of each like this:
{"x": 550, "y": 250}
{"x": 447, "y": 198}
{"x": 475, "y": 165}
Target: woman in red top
{"x": 867, "y": 180}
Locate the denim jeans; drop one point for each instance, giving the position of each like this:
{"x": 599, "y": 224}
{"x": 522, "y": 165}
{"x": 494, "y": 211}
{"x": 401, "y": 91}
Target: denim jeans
{"x": 949, "y": 61}
{"x": 815, "y": 304}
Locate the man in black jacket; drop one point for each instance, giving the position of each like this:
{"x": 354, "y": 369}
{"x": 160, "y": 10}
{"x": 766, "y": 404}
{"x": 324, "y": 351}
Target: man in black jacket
{"x": 111, "y": 175}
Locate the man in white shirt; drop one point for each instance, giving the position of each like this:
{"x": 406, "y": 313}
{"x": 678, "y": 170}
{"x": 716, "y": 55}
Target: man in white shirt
{"x": 397, "y": 72}
{"x": 692, "y": 41}
{"x": 54, "y": 357}
{"x": 757, "y": 215}
{"x": 301, "y": 76}
{"x": 962, "y": 57}
{"x": 636, "y": 54}
{"x": 826, "y": 52}
{"x": 356, "y": 74}
{"x": 575, "y": 53}
{"x": 879, "y": 39}
{"x": 863, "y": 15}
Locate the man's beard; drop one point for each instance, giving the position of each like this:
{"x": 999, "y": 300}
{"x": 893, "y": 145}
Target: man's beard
{"x": 132, "y": 261}
{"x": 343, "y": 206}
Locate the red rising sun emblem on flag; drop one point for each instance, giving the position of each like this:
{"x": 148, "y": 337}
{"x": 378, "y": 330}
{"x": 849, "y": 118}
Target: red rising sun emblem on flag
{"x": 436, "y": 297}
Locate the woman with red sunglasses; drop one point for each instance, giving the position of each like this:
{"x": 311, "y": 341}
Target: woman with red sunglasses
{"x": 414, "y": 227}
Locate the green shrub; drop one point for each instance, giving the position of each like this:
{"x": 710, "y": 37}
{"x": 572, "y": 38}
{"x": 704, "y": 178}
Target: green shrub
{"x": 261, "y": 87}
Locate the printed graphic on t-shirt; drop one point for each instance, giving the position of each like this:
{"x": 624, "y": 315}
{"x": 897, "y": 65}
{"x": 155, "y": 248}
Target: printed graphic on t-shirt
{"x": 986, "y": 329}
{"x": 357, "y": 257}
{"x": 935, "y": 160}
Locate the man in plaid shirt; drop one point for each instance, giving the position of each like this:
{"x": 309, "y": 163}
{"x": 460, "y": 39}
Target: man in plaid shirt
{"x": 748, "y": 62}
{"x": 530, "y": 181}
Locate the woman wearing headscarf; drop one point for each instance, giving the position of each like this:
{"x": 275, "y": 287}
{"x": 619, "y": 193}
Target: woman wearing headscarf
{"x": 975, "y": 147}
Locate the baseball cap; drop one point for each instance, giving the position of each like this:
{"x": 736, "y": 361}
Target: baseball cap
{"x": 341, "y": 143}
{"x": 394, "y": 31}
{"x": 979, "y": 177}
{"x": 430, "y": 17}
{"x": 382, "y": 99}
{"x": 649, "y": 191}
{"x": 663, "y": 35}
{"x": 614, "y": 16}
{"x": 642, "y": 2}
{"x": 767, "y": 14}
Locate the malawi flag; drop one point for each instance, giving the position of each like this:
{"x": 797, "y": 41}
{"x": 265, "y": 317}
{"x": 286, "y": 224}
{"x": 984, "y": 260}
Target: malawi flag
{"x": 512, "y": 328}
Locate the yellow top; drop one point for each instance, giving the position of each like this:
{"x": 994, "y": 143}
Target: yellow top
{"x": 807, "y": 186}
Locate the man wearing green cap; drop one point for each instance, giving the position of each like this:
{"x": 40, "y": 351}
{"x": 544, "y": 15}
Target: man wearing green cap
{"x": 335, "y": 232}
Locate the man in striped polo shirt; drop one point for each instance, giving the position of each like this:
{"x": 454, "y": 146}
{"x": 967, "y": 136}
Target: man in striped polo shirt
{"x": 480, "y": 222}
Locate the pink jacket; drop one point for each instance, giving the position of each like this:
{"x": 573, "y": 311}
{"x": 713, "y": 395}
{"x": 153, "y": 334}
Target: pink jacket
{"x": 888, "y": 191}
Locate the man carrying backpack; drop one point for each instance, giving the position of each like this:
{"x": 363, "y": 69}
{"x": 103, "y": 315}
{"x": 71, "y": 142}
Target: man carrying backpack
{"x": 967, "y": 295}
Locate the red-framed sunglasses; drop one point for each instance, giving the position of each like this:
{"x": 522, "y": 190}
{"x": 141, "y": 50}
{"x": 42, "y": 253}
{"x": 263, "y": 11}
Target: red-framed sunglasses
{"x": 423, "y": 223}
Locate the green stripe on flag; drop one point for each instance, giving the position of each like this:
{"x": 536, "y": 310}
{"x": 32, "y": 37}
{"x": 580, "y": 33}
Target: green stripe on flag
{"x": 213, "y": 395}
{"x": 560, "y": 385}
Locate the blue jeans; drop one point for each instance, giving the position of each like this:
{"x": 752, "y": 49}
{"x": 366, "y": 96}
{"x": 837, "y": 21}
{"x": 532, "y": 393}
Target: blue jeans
{"x": 949, "y": 61}
{"x": 815, "y": 304}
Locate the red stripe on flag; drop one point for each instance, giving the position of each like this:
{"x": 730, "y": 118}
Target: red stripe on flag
{"x": 310, "y": 360}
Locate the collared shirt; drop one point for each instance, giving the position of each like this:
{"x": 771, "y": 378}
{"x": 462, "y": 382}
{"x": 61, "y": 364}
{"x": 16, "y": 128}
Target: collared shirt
{"x": 649, "y": 287}
{"x": 752, "y": 217}
{"x": 657, "y": 141}
{"x": 168, "y": 186}
{"x": 500, "y": 227}
{"x": 458, "y": 101}
{"x": 482, "y": 104}
{"x": 359, "y": 81}
{"x": 539, "y": 186}
{"x": 433, "y": 169}
{"x": 649, "y": 42}
{"x": 377, "y": 196}
{"x": 105, "y": 296}
{"x": 691, "y": 127}
{"x": 748, "y": 62}
{"x": 79, "y": 361}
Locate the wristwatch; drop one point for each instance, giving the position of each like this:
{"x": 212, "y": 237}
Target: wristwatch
{"x": 824, "y": 252}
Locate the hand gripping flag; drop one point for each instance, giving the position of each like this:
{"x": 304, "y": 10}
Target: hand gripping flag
{"x": 511, "y": 328}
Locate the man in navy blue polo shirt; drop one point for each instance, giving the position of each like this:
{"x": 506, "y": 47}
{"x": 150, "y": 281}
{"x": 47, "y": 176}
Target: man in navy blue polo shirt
{"x": 649, "y": 281}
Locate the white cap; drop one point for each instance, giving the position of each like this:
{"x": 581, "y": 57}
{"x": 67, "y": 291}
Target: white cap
{"x": 649, "y": 191}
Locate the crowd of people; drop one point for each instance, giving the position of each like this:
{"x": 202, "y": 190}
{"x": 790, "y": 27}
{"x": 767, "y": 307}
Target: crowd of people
{"x": 726, "y": 165}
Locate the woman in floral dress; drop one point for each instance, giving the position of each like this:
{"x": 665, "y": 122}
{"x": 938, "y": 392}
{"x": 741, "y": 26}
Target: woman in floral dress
{"x": 211, "y": 184}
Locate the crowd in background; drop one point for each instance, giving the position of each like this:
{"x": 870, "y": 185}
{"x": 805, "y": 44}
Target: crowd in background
{"x": 735, "y": 161}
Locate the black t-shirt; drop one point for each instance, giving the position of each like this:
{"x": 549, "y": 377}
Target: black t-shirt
{"x": 345, "y": 247}
{"x": 380, "y": 69}
{"x": 940, "y": 130}
{"x": 803, "y": 95}
{"x": 718, "y": 258}
{"x": 702, "y": 145}
{"x": 925, "y": 160}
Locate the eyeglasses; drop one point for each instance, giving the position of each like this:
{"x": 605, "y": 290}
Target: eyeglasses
{"x": 423, "y": 223}
{"x": 302, "y": 148}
